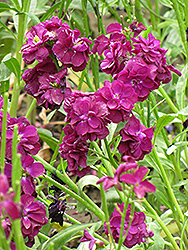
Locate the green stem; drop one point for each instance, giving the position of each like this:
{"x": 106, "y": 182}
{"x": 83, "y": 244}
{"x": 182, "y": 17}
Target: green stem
{"x": 123, "y": 237}
{"x": 3, "y": 242}
{"x": 18, "y": 238}
{"x": 139, "y": 15}
{"x": 105, "y": 162}
{"x": 171, "y": 157}
{"x": 3, "y": 134}
{"x": 168, "y": 100}
{"x": 56, "y": 172}
{"x": 161, "y": 223}
{"x": 85, "y": 17}
{"x": 181, "y": 23}
{"x": 114, "y": 12}
{"x": 105, "y": 209}
{"x": 22, "y": 24}
{"x": 152, "y": 17}
{"x": 29, "y": 111}
{"x": 112, "y": 160}
{"x": 128, "y": 10}
{"x": 57, "y": 148}
{"x": 168, "y": 186}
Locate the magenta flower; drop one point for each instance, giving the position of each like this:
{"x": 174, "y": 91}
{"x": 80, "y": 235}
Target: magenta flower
{"x": 6, "y": 225}
{"x": 136, "y": 179}
{"x": 137, "y": 233}
{"x": 101, "y": 44}
{"x": 149, "y": 49}
{"x": 72, "y": 50}
{"x": 109, "y": 182}
{"x": 115, "y": 57}
{"x": 52, "y": 90}
{"x": 27, "y": 138}
{"x": 87, "y": 115}
{"x": 114, "y": 27}
{"x": 52, "y": 26}
{"x": 1, "y": 102}
{"x": 28, "y": 186}
{"x": 35, "y": 169}
{"x": 136, "y": 28}
{"x": 7, "y": 200}
{"x": 87, "y": 237}
{"x": 140, "y": 75}
{"x": 74, "y": 148}
{"x": 119, "y": 98}
{"x": 136, "y": 139}
{"x": 33, "y": 218}
{"x": 31, "y": 76}
{"x": 35, "y": 46}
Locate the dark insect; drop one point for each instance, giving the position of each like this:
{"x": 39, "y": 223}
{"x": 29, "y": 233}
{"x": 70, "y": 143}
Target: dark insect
{"x": 56, "y": 210}
{"x": 187, "y": 34}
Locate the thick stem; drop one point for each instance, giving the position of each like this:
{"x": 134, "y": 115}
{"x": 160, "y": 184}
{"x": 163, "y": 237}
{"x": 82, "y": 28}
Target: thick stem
{"x": 3, "y": 134}
{"x": 161, "y": 223}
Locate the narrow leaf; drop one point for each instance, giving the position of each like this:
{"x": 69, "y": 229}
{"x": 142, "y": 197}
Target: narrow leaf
{"x": 50, "y": 11}
{"x": 13, "y": 66}
{"x": 64, "y": 236}
{"x": 180, "y": 88}
{"x": 4, "y": 7}
{"x": 46, "y": 136}
{"x": 161, "y": 123}
{"x": 85, "y": 181}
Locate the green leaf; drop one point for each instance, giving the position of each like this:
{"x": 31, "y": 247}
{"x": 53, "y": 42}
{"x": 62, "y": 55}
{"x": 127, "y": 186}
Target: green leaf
{"x": 161, "y": 123}
{"x": 47, "y": 137}
{"x": 13, "y": 66}
{"x": 49, "y": 12}
{"x": 4, "y": 7}
{"x": 10, "y": 31}
{"x": 85, "y": 181}
{"x": 158, "y": 240}
{"x": 180, "y": 88}
{"x": 183, "y": 111}
{"x": 64, "y": 236}
{"x": 166, "y": 3}
{"x": 161, "y": 198}
{"x": 34, "y": 18}
{"x": 176, "y": 145}
{"x": 4, "y": 71}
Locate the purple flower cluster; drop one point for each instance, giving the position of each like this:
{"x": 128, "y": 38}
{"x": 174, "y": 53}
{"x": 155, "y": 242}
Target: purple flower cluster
{"x": 139, "y": 62}
{"x": 119, "y": 99}
{"x": 137, "y": 233}
{"x": 136, "y": 139}
{"x": 33, "y": 218}
{"x": 129, "y": 173}
{"x": 56, "y": 47}
{"x": 74, "y": 148}
{"x": 31, "y": 212}
{"x": 87, "y": 117}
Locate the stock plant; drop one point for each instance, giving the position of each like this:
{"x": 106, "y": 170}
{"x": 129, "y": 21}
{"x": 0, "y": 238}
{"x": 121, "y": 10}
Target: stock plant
{"x": 125, "y": 124}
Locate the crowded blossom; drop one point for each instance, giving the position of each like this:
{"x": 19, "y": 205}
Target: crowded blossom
{"x": 135, "y": 65}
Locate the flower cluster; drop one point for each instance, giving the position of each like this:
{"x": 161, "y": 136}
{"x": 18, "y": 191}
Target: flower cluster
{"x": 31, "y": 212}
{"x": 56, "y": 47}
{"x": 137, "y": 66}
{"x": 129, "y": 173}
{"x": 139, "y": 62}
{"x": 137, "y": 232}
{"x": 136, "y": 139}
